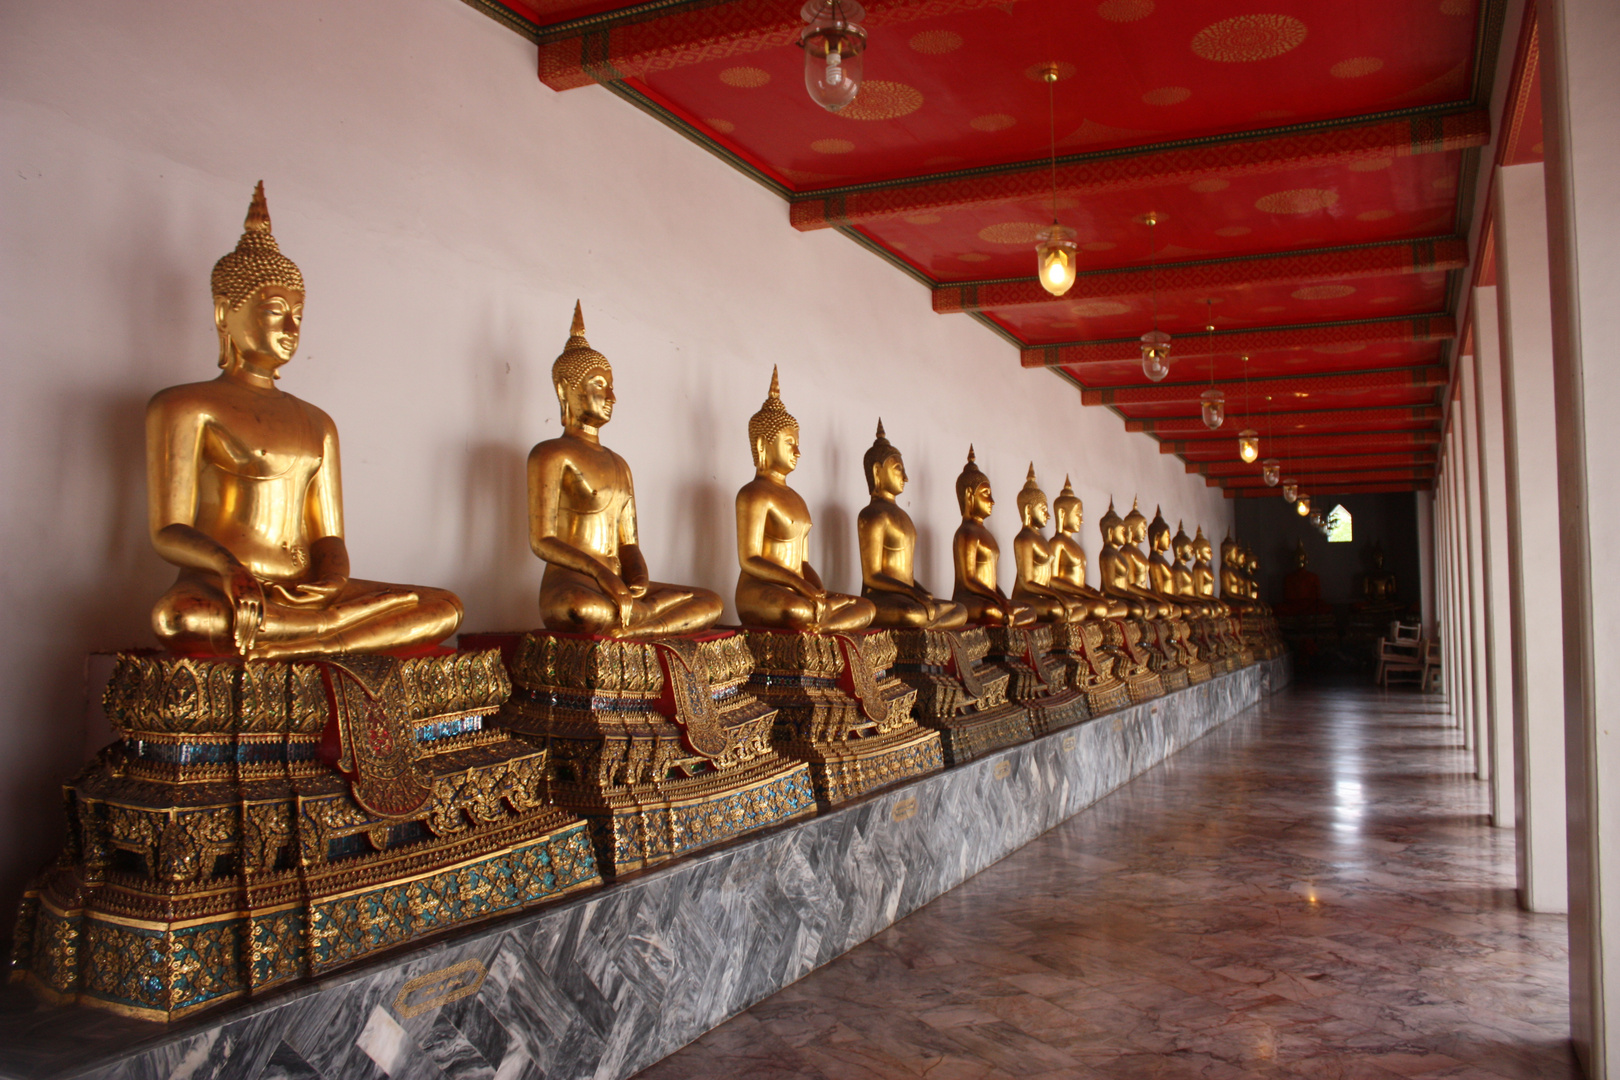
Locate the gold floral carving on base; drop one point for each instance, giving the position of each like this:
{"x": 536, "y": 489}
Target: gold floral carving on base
{"x": 959, "y": 694}
{"x": 660, "y": 745}
{"x": 216, "y": 851}
{"x": 820, "y": 721}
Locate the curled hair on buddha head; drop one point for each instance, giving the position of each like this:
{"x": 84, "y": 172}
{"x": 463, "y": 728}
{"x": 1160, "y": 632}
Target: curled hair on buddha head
{"x": 256, "y": 262}
{"x": 1066, "y": 502}
{"x": 1109, "y": 521}
{"x": 1181, "y": 541}
{"x": 879, "y": 452}
{"x": 575, "y": 363}
{"x": 1030, "y": 495}
{"x": 1158, "y": 526}
{"x": 969, "y": 478}
{"x": 770, "y": 421}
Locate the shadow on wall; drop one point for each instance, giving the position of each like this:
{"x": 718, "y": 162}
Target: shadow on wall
{"x": 495, "y": 534}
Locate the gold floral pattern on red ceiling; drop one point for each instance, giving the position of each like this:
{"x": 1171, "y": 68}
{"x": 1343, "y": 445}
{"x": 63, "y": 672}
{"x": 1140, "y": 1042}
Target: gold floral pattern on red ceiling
{"x": 1248, "y": 38}
{"x": 880, "y": 100}
{"x": 745, "y": 78}
{"x": 936, "y": 42}
{"x": 1356, "y": 67}
{"x": 1297, "y": 201}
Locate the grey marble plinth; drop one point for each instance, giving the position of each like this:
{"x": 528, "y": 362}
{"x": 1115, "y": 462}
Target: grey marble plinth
{"x": 609, "y": 982}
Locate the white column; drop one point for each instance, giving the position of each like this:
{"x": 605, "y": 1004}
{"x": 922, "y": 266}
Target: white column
{"x": 1426, "y": 535}
{"x": 1473, "y": 576}
{"x": 1453, "y": 657}
{"x": 1462, "y": 617}
{"x": 1448, "y": 648}
{"x": 1581, "y": 106}
{"x": 1525, "y": 314}
{"x": 1493, "y": 555}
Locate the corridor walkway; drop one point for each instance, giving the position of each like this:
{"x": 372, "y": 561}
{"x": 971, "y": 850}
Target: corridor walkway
{"x": 1311, "y": 891}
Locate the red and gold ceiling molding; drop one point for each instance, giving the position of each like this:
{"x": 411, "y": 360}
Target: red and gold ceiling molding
{"x": 1311, "y": 168}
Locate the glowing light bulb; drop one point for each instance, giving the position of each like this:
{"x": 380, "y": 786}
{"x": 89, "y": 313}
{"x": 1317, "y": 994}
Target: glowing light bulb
{"x": 1302, "y": 505}
{"x": 1271, "y": 472}
{"x": 1249, "y": 445}
{"x": 1056, "y": 255}
{"x": 1214, "y": 408}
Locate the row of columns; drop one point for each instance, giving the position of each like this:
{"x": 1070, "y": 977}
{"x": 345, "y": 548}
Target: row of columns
{"x": 1527, "y": 600}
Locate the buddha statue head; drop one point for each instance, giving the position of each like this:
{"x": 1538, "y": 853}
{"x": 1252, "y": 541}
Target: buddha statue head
{"x": 973, "y": 491}
{"x": 1301, "y": 560}
{"x": 1181, "y": 544}
{"x": 884, "y": 468}
{"x": 1067, "y": 509}
{"x": 1229, "y": 552}
{"x": 1135, "y": 525}
{"x": 258, "y": 297}
{"x": 1202, "y": 549}
{"x": 773, "y": 434}
{"x": 1032, "y": 502}
{"x": 583, "y": 379}
{"x": 1112, "y": 526}
{"x": 1158, "y": 531}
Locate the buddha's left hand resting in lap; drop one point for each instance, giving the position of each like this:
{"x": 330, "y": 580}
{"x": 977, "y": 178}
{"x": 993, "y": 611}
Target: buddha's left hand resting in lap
{"x": 245, "y": 496}
{"x": 582, "y": 519}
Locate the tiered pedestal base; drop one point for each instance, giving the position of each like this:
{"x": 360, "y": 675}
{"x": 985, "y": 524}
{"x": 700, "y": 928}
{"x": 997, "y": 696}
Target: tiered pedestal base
{"x": 959, "y": 695}
{"x": 658, "y": 744}
{"x": 1089, "y": 666}
{"x": 841, "y": 710}
{"x": 264, "y": 822}
{"x": 1037, "y": 681}
{"x": 1141, "y": 681}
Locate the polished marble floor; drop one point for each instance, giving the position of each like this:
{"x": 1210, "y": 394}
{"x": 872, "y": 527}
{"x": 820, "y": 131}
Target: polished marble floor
{"x": 1313, "y": 890}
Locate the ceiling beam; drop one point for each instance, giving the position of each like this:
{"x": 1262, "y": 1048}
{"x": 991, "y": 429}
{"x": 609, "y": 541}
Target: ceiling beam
{"x": 1090, "y": 175}
{"x": 636, "y": 41}
{"x": 1204, "y": 276}
{"x": 1331, "y": 336}
{"x": 1374, "y": 460}
{"x": 1346, "y": 382}
{"x": 1347, "y": 489}
{"x": 1324, "y": 480}
{"x": 1366, "y": 442}
{"x": 1377, "y": 418}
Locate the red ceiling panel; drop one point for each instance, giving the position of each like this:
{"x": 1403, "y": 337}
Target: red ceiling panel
{"x": 962, "y": 90}
{"x": 1127, "y": 371}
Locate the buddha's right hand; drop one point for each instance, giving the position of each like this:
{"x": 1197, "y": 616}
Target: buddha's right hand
{"x": 621, "y": 596}
{"x": 245, "y": 595}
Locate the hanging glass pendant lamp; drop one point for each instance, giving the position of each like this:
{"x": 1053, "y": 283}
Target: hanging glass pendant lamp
{"x": 1212, "y": 401}
{"x": 1248, "y": 438}
{"x": 1155, "y": 343}
{"x": 1271, "y": 468}
{"x": 1055, "y": 250}
{"x": 1290, "y": 488}
{"x": 833, "y": 40}
{"x": 1302, "y": 504}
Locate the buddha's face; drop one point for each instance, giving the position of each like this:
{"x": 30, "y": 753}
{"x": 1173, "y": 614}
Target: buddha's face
{"x": 1138, "y": 531}
{"x": 589, "y": 402}
{"x": 979, "y": 501}
{"x": 1183, "y": 551}
{"x": 264, "y": 327}
{"x": 1038, "y": 516}
{"x": 1202, "y": 551}
{"x": 780, "y": 452}
{"x": 1160, "y": 539}
{"x": 889, "y": 476}
{"x": 1068, "y": 516}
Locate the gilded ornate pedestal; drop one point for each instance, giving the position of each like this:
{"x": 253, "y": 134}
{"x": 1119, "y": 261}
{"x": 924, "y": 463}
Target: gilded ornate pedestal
{"x": 958, "y": 693}
{"x": 1125, "y": 637}
{"x": 1163, "y": 657}
{"x": 842, "y": 710}
{"x": 659, "y": 744}
{"x": 262, "y": 822}
{"x": 1089, "y": 666}
{"x": 1037, "y": 681}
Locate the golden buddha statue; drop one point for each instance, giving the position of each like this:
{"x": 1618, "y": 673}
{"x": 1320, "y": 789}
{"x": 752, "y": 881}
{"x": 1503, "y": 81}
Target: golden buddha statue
{"x": 1033, "y": 556}
{"x": 1136, "y": 534}
{"x": 1069, "y": 559}
{"x": 582, "y": 519}
{"x": 888, "y": 541}
{"x": 977, "y": 555}
{"x": 1181, "y": 575}
{"x": 1161, "y": 574}
{"x": 244, "y": 493}
{"x": 778, "y": 588}
{"x": 1118, "y": 573}
{"x": 1378, "y": 586}
{"x": 1203, "y": 570}
{"x": 1234, "y": 582}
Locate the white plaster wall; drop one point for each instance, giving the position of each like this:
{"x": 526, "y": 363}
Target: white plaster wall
{"x": 446, "y": 209}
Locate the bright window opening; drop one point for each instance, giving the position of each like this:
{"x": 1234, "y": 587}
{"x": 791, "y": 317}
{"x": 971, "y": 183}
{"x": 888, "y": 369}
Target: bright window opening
{"x": 1338, "y": 523}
